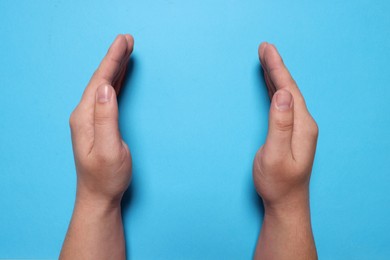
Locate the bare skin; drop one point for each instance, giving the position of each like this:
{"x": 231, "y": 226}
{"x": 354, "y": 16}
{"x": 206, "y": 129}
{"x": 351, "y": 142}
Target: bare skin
{"x": 103, "y": 162}
{"x": 282, "y": 166}
{"x": 281, "y": 172}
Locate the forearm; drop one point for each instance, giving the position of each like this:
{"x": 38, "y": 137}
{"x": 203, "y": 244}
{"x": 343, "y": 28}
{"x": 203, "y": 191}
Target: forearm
{"x": 287, "y": 234}
{"x": 95, "y": 232}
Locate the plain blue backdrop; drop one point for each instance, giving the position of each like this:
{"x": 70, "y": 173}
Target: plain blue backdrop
{"x": 194, "y": 111}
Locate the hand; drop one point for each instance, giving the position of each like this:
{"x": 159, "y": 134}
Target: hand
{"x": 103, "y": 160}
{"x": 283, "y": 165}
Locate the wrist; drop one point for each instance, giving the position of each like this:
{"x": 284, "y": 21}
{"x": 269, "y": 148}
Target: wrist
{"x": 96, "y": 202}
{"x": 293, "y": 206}
{"x": 97, "y": 212}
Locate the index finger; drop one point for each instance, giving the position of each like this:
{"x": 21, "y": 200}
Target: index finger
{"x": 279, "y": 75}
{"x": 116, "y": 56}
{"x": 109, "y": 69}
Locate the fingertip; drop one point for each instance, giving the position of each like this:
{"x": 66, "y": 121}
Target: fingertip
{"x": 261, "y": 49}
{"x": 119, "y": 40}
{"x": 122, "y": 39}
{"x": 129, "y": 38}
{"x": 271, "y": 52}
{"x": 118, "y": 47}
{"x": 272, "y": 58}
{"x": 130, "y": 42}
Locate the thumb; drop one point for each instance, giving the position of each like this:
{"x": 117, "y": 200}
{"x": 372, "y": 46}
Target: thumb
{"x": 107, "y": 137}
{"x": 280, "y": 126}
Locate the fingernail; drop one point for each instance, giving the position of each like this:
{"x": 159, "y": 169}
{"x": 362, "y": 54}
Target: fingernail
{"x": 283, "y": 100}
{"x": 103, "y": 94}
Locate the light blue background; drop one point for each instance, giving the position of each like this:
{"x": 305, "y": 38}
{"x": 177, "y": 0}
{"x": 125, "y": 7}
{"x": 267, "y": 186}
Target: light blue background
{"x": 194, "y": 112}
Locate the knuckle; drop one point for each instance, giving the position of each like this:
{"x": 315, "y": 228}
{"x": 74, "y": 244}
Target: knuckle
{"x": 73, "y": 119}
{"x": 313, "y": 128}
{"x": 258, "y": 157}
{"x": 284, "y": 125}
{"x": 268, "y": 160}
{"x": 290, "y": 83}
{"x": 126, "y": 151}
{"x": 114, "y": 60}
{"x": 101, "y": 120}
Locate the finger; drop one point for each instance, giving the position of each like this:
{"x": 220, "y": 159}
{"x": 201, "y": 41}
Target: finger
{"x": 280, "y": 127}
{"x": 280, "y": 76}
{"x": 270, "y": 87}
{"x": 261, "y": 53}
{"x": 107, "y": 138}
{"x": 116, "y": 57}
{"x": 118, "y": 82}
{"x": 130, "y": 43}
